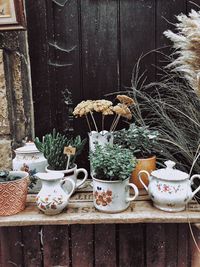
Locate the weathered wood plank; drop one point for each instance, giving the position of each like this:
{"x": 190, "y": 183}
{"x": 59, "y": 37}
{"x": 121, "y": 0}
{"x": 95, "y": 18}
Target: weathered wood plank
{"x": 137, "y": 34}
{"x": 56, "y": 246}
{"x": 171, "y": 248}
{"x": 131, "y": 245}
{"x": 32, "y": 248}
{"x": 12, "y": 246}
{"x": 99, "y": 48}
{"x": 105, "y": 246}
{"x": 82, "y": 240}
{"x": 67, "y": 53}
{"x": 183, "y": 249}
{"x": 155, "y": 245}
{"x": 85, "y": 213}
{"x": 194, "y": 251}
{"x": 39, "y": 33}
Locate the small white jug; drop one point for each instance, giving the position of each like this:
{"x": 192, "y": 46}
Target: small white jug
{"x": 52, "y": 198}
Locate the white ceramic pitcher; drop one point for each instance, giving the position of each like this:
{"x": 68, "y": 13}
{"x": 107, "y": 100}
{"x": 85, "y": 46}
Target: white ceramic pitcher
{"x": 52, "y": 198}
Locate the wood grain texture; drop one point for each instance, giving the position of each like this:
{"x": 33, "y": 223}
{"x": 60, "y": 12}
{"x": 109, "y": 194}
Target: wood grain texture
{"x": 131, "y": 245}
{"x": 11, "y": 246}
{"x": 105, "y": 246}
{"x": 182, "y": 245}
{"x": 137, "y": 35}
{"x": 82, "y": 245}
{"x": 194, "y": 256}
{"x": 67, "y": 55}
{"x": 99, "y": 48}
{"x": 155, "y": 245}
{"x": 171, "y": 248}
{"x": 39, "y": 32}
{"x": 56, "y": 246}
{"x": 32, "y": 248}
{"x": 83, "y": 212}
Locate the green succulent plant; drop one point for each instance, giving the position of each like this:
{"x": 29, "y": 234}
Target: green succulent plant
{"x": 139, "y": 139}
{"x": 5, "y": 176}
{"x": 112, "y": 162}
{"x": 52, "y": 147}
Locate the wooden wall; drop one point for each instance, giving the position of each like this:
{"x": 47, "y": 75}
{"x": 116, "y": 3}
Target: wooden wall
{"x": 90, "y": 47}
{"x": 99, "y": 41}
{"x": 125, "y": 245}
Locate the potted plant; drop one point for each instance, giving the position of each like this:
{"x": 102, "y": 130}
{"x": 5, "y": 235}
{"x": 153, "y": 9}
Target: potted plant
{"x": 53, "y": 145}
{"x": 13, "y": 188}
{"x": 112, "y": 167}
{"x": 141, "y": 142}
{"x": 90, "y": 109}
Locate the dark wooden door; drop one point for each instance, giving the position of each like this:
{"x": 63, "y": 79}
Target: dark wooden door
{"x": 90, "y": 47}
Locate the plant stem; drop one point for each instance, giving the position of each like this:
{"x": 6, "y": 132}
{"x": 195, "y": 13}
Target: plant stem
{"x": 94, "y": 121}
{"x": 88, "y": 123}
{"x": 102, "y": 121}
{"x": 113, "y": 122}
{"x": 116, "y": 122}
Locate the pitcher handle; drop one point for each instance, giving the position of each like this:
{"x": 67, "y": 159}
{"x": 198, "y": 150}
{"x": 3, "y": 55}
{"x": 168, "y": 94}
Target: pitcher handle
{"x": 191, "y": 182}
{"x": 78, "y": 184}
{"x": 128, "y": 199}
{"x": 140, "y": 178}
{"x": 72, "y": 183}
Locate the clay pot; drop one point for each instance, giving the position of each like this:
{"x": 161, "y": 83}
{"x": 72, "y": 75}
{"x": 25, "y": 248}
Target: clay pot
{"x": 149, "y": 165}
{"x": 13, "y": 194}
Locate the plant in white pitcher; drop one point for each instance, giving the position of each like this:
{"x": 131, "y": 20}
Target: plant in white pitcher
{"x": 89, "y": 110}
{"x": 53, "y": 146}
{"x": 112, "y": 168}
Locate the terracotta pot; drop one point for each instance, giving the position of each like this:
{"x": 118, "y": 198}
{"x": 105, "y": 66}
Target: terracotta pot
{"x": 13, "y": 194}
{"x": 149, "y": 165}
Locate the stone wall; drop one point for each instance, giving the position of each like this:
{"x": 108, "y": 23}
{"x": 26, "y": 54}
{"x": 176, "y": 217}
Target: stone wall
{"x": 16, "y": 112}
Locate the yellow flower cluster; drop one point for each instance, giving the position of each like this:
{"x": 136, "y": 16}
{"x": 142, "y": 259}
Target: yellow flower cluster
{"x": 83, "y": 108}
{"x": 122, "y": 110}
{"x": 103, "y": 106}
{"x": 126, "y": 100}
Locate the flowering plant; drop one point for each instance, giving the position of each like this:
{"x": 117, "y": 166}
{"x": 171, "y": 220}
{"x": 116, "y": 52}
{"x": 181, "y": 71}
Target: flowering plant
{"x": 105, "y": 107}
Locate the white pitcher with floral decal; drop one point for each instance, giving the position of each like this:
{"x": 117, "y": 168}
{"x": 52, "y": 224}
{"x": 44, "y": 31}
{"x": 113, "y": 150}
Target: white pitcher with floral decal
{"x": 169, "y": 188}
{"x": 52, "y": 198}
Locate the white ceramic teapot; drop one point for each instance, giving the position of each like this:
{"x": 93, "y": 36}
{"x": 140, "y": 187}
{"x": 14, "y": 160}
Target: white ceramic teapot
{"x": 30, "y": 159}
{"x": 169, "y": 188}
{"x": 52, "y": 198}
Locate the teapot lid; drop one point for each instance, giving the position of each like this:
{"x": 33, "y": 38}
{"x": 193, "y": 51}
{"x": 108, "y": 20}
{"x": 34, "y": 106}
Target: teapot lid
{"x": 29, "y": 147}
{"x": 169, "y": 173}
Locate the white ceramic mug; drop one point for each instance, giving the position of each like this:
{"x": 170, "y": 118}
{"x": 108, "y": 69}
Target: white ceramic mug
{"x": 72, "y": 174}
{"x": 113, "y": 196}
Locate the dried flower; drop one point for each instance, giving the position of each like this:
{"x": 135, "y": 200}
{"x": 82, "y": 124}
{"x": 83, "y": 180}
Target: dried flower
{"x": 101, "y": 105}
{"x": 123, "y": 111}
{"x": 126, "y": 100}
{"x": 186, "y": 44}
{"x": 83, "y": 108}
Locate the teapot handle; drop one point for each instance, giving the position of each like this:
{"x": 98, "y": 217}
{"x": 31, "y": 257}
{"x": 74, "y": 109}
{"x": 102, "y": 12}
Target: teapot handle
{"x": 72, "y": 183}
{"x": 191, "y": 182}
{"x": 140, "y": 178}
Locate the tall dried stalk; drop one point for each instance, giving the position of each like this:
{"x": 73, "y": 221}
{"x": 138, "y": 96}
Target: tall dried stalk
{"x": 187, "y": 49}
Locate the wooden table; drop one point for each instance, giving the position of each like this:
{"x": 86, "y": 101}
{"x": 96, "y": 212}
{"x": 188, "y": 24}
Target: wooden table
{"x": 82, "y": 237}
{"x": 81, "y": 211}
